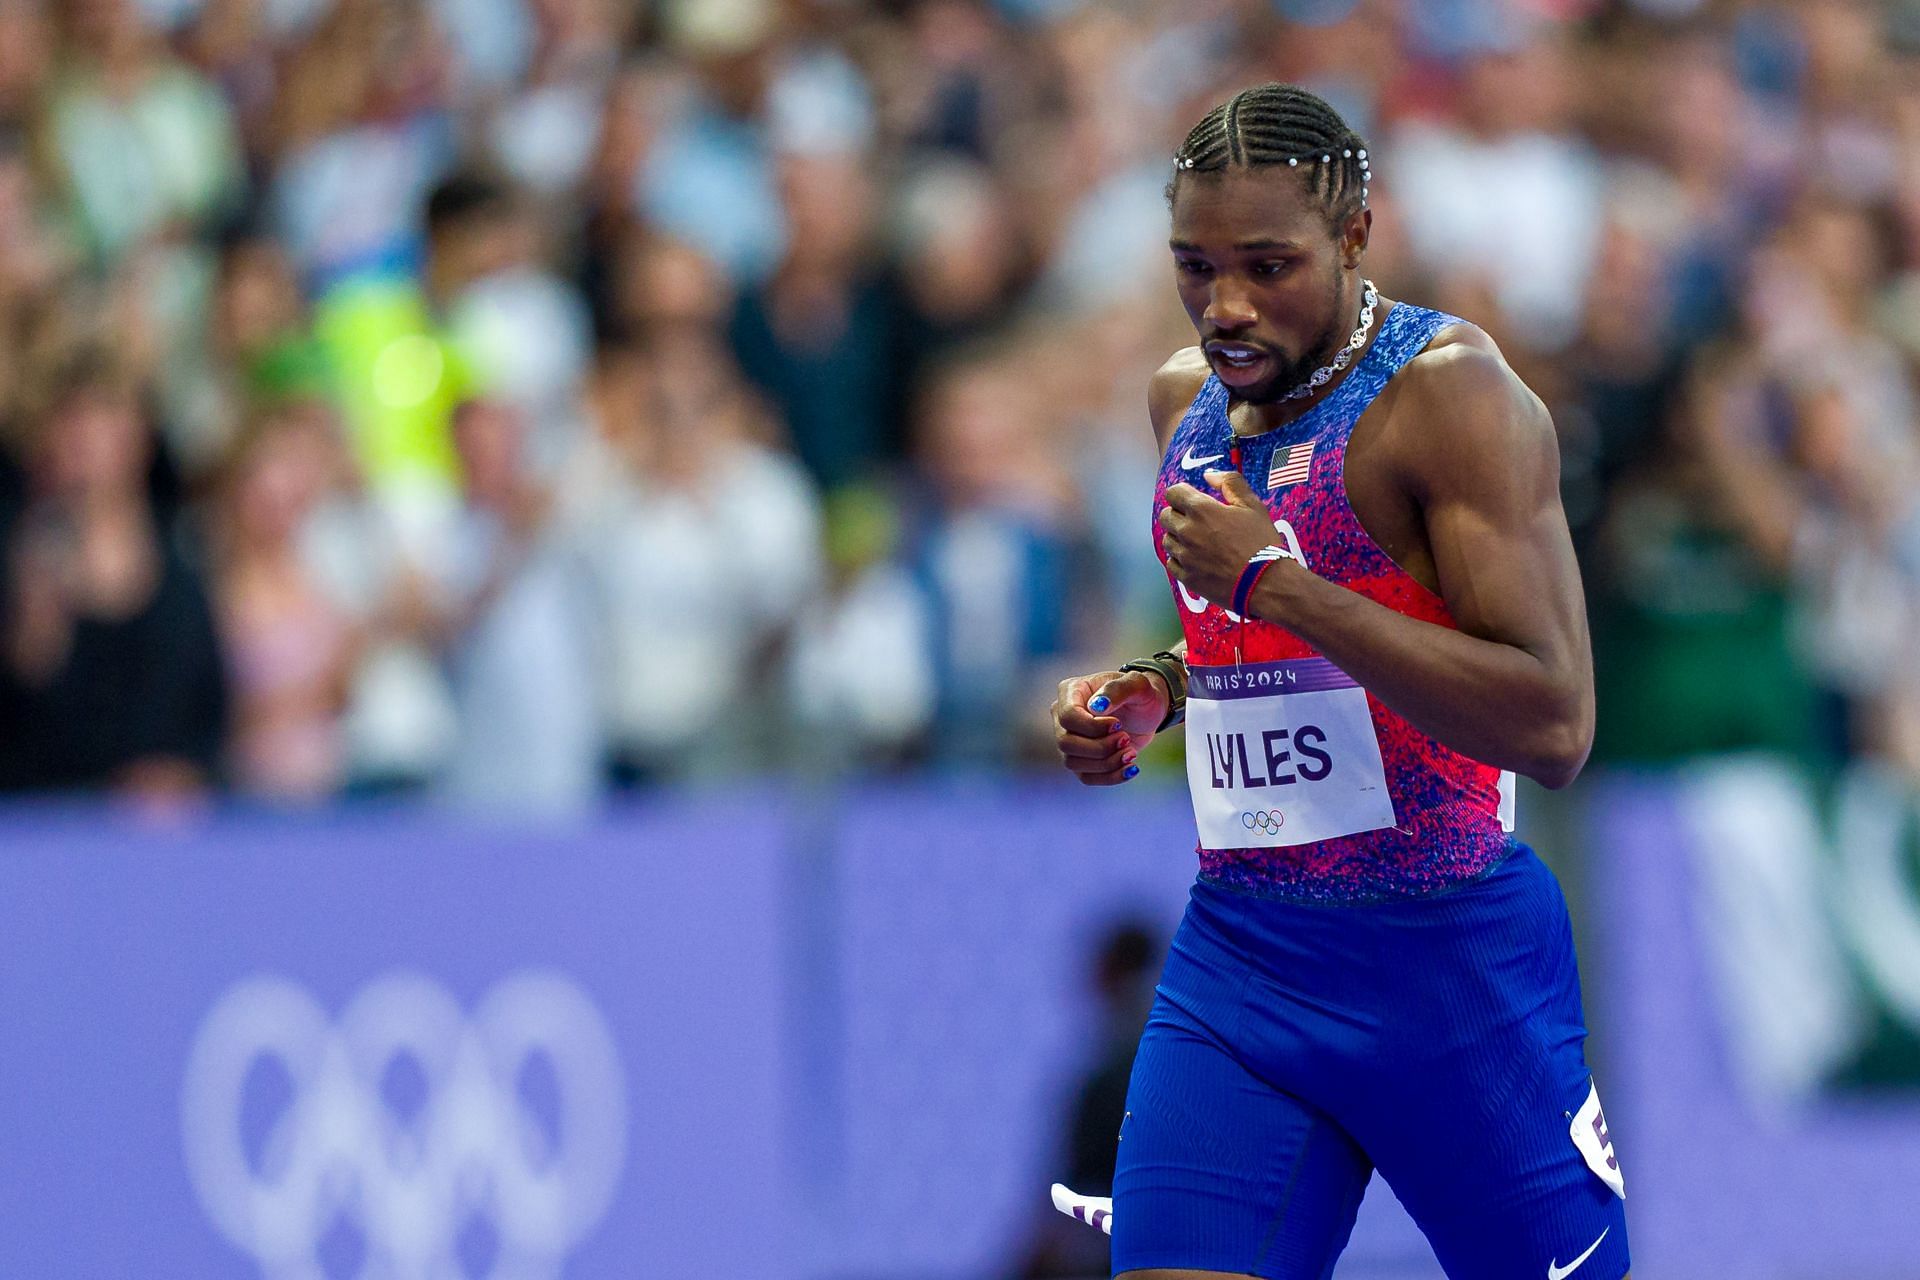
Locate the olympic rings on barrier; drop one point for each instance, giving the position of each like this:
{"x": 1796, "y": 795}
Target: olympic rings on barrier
{"x": 411, "y": 1173}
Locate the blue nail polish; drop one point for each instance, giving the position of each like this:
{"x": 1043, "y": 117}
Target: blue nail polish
{"x": 1133, "y": 771}
{"x": 1099, "y": 704}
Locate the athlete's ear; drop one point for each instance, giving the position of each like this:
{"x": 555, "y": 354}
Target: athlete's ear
{"x": 1354, "y": 238}
{"x": 1234, "y": 489}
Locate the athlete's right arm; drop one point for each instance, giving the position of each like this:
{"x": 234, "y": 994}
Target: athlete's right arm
{"x": 1100, "y": 747}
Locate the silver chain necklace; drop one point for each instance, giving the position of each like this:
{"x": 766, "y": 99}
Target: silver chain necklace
{"x": 1368, "y": 298}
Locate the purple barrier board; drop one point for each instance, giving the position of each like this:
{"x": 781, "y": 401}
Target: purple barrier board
{"x": 1727, "y": 1173}
{"x": 388, "y": 1044}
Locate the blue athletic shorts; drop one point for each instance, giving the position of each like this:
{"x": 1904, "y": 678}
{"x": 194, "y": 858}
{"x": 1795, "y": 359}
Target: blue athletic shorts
{"x": 1293, "y": 1049}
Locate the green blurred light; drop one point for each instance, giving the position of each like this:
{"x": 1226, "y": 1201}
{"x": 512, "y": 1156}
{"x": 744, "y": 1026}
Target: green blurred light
{"x": 408, "y": 371}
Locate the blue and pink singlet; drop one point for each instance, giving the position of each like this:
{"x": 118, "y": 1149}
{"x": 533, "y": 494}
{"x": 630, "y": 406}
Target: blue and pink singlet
{"x": 1372, "y": 974}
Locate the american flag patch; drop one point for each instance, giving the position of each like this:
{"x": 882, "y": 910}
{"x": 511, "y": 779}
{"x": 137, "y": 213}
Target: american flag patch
{"x": 1290, "y": 466}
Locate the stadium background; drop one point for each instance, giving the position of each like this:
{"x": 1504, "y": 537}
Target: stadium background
{"x": 590, "y": 498}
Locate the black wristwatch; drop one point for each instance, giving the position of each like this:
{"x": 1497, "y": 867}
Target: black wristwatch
{"x": 1172, "y": 668}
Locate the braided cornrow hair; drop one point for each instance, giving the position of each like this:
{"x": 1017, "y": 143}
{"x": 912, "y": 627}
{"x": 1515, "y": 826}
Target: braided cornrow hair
{"x": 1282, "y": 124}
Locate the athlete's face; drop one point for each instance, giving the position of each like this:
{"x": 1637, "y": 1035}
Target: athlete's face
{"x": 1268, "y": 284}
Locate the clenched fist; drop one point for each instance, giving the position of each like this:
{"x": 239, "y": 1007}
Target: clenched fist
{"x": 1102, "y": 721}
{"x": 1209, "y": 540}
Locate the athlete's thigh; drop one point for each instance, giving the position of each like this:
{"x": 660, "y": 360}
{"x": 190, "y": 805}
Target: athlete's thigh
{"x": 1220, "y": 1173}
{"x": 1490, "y": 1132}
{"x": 1511, "y": 1200}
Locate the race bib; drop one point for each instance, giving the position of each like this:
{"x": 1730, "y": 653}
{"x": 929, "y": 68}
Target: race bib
{"x": 1282, "y": 753}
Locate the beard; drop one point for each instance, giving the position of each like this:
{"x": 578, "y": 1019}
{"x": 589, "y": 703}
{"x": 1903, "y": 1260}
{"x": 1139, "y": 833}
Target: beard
{"x": 1290, "y": 372}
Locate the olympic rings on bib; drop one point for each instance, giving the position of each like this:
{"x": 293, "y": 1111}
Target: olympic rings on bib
{"x": 1265, "y": 821}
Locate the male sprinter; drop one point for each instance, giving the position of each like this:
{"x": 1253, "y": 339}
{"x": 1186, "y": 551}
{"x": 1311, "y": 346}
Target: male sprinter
{"x": 1383, "y": 624}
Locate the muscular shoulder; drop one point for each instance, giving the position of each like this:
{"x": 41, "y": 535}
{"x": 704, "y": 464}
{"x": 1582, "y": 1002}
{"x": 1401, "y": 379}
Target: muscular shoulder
{"x": 1461, "y": 410}
{"x": 1173, "y": 387}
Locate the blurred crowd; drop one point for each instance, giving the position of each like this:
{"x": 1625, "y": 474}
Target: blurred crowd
{"x": 511, "y": 400}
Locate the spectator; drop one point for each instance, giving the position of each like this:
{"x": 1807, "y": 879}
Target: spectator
{"x": 1692, "y": 632}
{"x": 360, "y": 137}
{"x": 400, "y": 367}
{"x": 255, "y": 350}
{"x": 290, "y": 648}
{"x": 819, "y": 336}
{"x": 705, "y": 554}
{"x": 112, "y": 672}
{"x": 516, "y": 617}
{"x": 34, "y": 256}
{"x": 26, "y": 58}
{"x": 505, "y": 312}
{"x": 547, "y": 130}
{"x": 995, "y": 550}
{"x": 1533, "y": 249}
{"x": 1814, "y": 434}
{"x": 399, "y": 721}
{"x": 962, "y": 265}
{"x": 142, "y": 143}
{"x": 705, "y": 174}
{"x": 861, "y": 678}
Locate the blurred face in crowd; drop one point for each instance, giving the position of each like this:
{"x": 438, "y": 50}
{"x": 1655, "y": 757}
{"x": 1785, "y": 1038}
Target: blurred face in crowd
{"x": 24, "y": 56}
{"x": 259, "y": 298}
{"x": 276, "y": 483}
{"x": 29, "y": 258}
{"x": 961, "y": 249}
{"x": 1813, "y": 277}
{"x": 696, "y": 402}
{"x": 1522, "y": 90}
{"x": 828, "y": 201}
{"x": 629, "y": 122}
{"x": 1843, "y": 42}
{"x": 1827, "y": 440}
{"x": 1702, "y": 112}
{"x": 973, "y": 432}
{"x": 664, "y": 282}
{"x": 1840, "y": 246}
{"x": 95, "y": 445}
{"x": 617, "y": 392}
{"x": 668, "y": 406}
{"x": 103, "y": 27}
{"x": 569, "y": 19}
{"x": 1626, "y": 311}
{"x": 411, "y": 59}
{"x": 487, "y": 435}
{"x": 1262, "y": 275}
{"x": 479, "y": 244}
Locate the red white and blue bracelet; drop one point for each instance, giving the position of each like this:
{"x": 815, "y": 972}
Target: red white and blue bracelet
{"x": 1257, "y": 564}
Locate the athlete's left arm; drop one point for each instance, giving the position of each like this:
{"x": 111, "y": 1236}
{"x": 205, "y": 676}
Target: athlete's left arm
{"x": 1513, "y": 686}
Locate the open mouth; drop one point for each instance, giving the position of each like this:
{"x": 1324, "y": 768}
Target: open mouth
{"x": 1237, "y": 363}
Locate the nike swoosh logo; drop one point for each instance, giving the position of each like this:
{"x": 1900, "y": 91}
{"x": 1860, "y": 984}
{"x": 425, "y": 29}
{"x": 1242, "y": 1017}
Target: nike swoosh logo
{"x": 1561, "y": 1273}
{"x": 1190, "y": 462}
